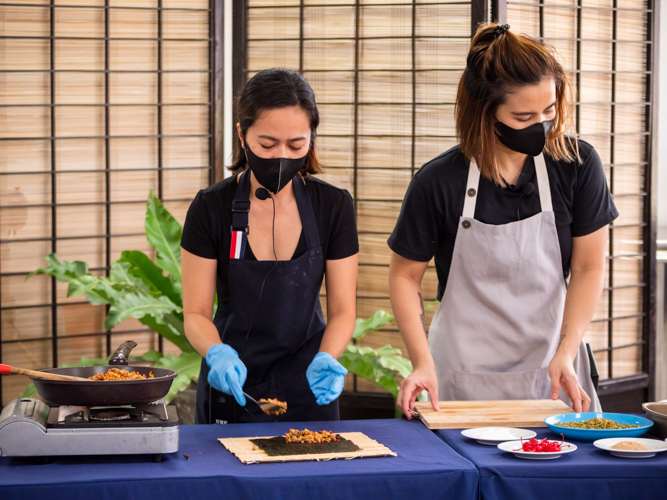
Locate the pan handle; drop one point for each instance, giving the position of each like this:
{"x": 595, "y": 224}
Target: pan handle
{"x": 122, "y": 354}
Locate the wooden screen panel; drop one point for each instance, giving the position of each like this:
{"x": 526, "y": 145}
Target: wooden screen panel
{"x": 90, "y": 121}
{"x": 603, "y": 44}
{"x": 385, "y": 84}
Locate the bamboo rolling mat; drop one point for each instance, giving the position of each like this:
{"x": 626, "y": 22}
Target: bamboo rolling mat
{"x": 507, "y": 413}
{"x": 242, "y": 448}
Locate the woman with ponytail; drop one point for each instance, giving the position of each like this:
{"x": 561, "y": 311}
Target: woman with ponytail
{"x": 509, "y": 214}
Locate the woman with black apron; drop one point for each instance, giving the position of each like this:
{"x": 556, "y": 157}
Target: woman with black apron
{"x": 264, "y": 238}
{"x": 508, "y": 214}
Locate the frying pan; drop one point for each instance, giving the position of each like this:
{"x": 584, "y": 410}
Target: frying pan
{"x": 106, "y": 392}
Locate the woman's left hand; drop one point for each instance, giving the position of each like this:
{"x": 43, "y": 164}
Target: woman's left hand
{"x": 562, "y": 374}
{"x": 326, "y": 378}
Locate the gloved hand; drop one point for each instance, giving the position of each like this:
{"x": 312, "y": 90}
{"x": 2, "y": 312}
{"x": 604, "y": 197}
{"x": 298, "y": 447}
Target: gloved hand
{"x": 228, "y": 373}
{"x": 326, "y": 377}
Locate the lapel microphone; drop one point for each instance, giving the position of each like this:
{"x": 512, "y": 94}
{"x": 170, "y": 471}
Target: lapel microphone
{"x": 263, "y": 193}
{"x": 527, "y": 189}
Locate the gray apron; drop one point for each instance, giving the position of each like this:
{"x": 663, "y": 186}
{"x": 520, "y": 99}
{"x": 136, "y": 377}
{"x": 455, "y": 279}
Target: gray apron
{"x": 499, "y": 322}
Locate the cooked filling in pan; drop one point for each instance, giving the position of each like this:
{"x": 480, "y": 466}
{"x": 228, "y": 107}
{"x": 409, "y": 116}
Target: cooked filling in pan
{"x": 118, "y": 374}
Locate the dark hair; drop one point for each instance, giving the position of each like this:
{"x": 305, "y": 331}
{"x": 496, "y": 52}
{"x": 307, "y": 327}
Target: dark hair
{"x": 499, "y": 62}
{"x": 273, "y": 89}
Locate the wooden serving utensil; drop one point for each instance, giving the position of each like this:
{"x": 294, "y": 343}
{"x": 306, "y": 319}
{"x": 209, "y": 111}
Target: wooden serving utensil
{"x": 35, "y": 373}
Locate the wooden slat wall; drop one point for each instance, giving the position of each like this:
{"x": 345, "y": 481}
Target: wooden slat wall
{"x": 603, "y": 43}
{"x": 158, "y": 138}
{"x": 385, "y": 79}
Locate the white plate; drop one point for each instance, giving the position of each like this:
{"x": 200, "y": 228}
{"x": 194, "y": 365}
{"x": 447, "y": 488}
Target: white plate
{"x": 516, "y": 448}
{"x": 656, "y": 444}
{"x": 495, "y": 435}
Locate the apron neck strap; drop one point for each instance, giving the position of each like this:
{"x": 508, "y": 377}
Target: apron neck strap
{"x": 241, "y": 203}
{"x": 543, "y": 183}
{"x": 308, "y": 221}
{"x": 471, "y": 190}
{"x": 472, "y": 187}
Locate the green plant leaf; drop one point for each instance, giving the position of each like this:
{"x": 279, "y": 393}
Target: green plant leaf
{"x": 388, "y": 350}
{"x": 164, "y": 233}
{"x": 187, "y": 364}
{"x": 150, "y": 356}
{"x": 85, "y": 361}
{"x": 397, "y": 364}
{"x": 382, "y": 366}
{"x": 83, "y": 285}
{"x": 62, "y": 271}
{"x": 120, "y": 277}
{"x": 375, "y": 322}
{"x": 431, "y": 305}
{"x": 168, "y": 327}
{"x": 143, "y": 268}
{"x": 29, "y": 391}
{"x": 137, "y": 305}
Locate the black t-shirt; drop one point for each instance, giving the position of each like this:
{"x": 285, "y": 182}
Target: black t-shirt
{"x": 206, "y": 232}
{"x": 434, "y": 200}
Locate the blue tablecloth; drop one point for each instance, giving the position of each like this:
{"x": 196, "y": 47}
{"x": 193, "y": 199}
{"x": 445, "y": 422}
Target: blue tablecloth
{"x": 425, "y": 467}
{"x": 584, "y": 474}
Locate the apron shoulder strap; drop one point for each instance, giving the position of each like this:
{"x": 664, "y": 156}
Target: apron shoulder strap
{"x": 471, "y": 190}
{"x": 543, "y": 183}
{"x": 240, "y": 210}
{"x": 308, "y": 221}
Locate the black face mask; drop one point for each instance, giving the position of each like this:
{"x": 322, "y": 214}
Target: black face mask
{"x": 529, "y": 141}
{"x": 274, "y": 173}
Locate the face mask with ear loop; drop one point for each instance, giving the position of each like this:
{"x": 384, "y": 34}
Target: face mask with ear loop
{"x": 273, "y": 173}
{"x": 529, "y": 141}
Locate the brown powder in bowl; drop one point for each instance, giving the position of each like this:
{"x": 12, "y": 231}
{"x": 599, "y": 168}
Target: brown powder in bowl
{"x": 631, "y": 446}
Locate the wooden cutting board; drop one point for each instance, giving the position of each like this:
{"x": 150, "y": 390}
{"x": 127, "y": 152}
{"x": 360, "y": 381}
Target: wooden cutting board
{"x": 508, "y": 413}
{"x": 242, "y": 448}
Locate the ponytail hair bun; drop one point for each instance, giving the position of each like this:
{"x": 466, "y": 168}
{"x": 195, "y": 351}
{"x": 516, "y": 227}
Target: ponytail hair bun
{"x": 498, "y": 63}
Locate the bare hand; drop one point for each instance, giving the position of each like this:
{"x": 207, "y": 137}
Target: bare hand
{"x": 421, "y": 379}
{"x": 562, "y": 374}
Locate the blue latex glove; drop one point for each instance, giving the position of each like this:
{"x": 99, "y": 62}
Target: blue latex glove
{"x": 326, "y": 378}
{"x": 228, "y": 373}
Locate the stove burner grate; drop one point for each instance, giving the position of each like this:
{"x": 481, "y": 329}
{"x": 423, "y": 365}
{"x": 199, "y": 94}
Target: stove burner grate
{"x": 110, "y": 415}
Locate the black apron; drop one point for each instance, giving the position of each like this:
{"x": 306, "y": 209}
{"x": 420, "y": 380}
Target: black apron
{"x": 287, "y": 328}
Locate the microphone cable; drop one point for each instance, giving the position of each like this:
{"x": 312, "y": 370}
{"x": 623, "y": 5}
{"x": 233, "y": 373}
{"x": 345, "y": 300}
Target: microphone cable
{"x": 527, "y": 190}
{"x": 263, "y": 194}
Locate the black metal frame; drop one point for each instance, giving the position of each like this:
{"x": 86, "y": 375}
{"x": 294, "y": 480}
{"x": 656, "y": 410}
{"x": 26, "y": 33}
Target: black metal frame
{"x": 215, "y": 104}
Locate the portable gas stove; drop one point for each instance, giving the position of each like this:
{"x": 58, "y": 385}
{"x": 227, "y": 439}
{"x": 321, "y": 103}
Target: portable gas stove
{"x": 30, "y": 428}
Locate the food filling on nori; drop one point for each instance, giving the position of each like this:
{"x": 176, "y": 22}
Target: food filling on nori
{"x": 277, "y": 446}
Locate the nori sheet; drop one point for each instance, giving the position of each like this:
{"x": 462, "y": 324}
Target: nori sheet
{"x": 277, "y": 446}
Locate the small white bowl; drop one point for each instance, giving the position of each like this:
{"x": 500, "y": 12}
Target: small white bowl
{"x": 516, "y": 448}
{"x": 494, "y": 435}
{"x": 656, "y": 445}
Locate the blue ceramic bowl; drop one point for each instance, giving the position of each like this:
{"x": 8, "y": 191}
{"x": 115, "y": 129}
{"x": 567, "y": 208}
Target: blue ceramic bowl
{"x": 594, "y": 434}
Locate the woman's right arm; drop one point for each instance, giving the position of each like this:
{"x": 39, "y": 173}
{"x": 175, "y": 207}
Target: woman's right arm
{"x": 199, "y": 277}
{"x": 405, "y": 277}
